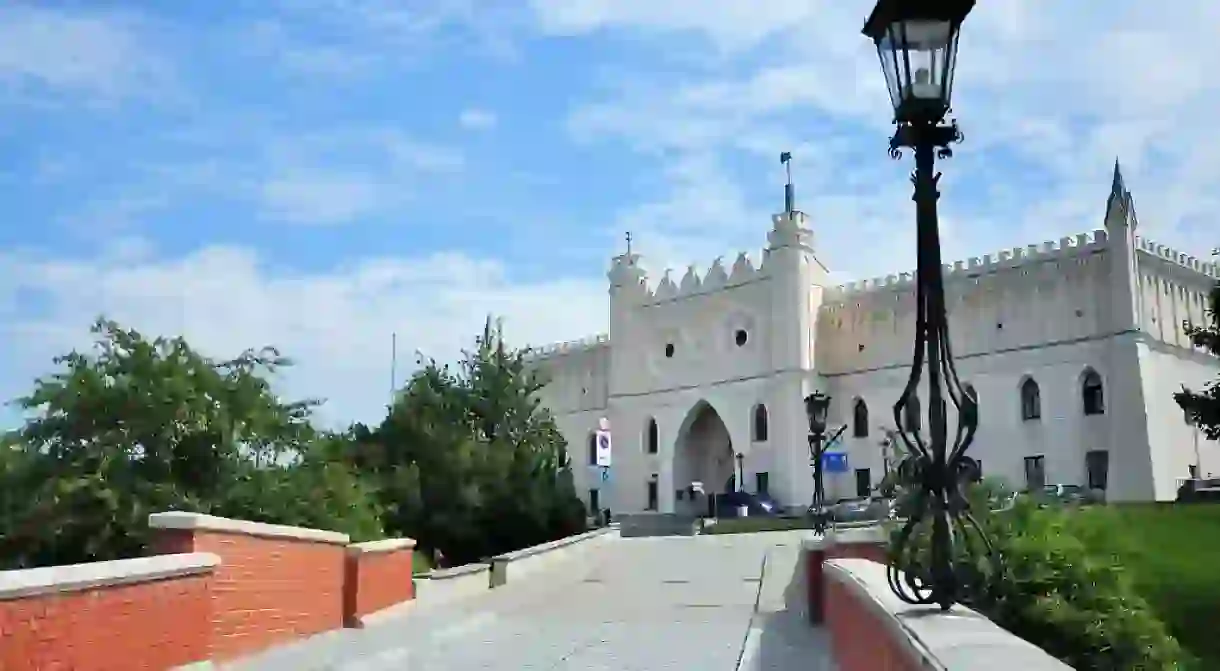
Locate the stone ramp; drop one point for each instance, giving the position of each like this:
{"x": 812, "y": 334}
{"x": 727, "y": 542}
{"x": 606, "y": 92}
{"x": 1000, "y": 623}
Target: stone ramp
{"x": 780, "y": 637}
{"x": 631, "y": 605}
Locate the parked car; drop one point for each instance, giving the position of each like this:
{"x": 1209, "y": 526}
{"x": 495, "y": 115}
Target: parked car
{"x": 857, "y": 509}
{"x": 1199, "y": 490}
{"x": 1061, "y": 493}
{"x": 757, "y": 505}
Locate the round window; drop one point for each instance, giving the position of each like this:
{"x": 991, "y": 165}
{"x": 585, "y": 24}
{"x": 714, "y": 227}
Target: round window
{"x": 741, "y": 337}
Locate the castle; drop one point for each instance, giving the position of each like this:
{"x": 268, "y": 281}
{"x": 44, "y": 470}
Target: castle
{"x": 1074, "y": 349}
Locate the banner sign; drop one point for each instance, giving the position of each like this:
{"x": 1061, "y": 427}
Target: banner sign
{"x": 834, "y": 462}
{"x": 603, "y": 448}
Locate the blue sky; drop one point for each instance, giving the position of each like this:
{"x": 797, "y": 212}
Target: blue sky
{"x": 319, "y": 174}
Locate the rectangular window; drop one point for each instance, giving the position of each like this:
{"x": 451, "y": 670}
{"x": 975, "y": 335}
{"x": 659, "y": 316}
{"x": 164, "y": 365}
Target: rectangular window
{"x": 595, "y": 507}
{"x": 1097, "y": 466}
{"x": 762, "y": 482}
{"x": 652, "y": 495}
{"x": 1035, "y": 473}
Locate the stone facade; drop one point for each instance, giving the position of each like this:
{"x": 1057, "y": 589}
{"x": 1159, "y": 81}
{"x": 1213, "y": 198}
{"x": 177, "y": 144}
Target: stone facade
{"x": 1074, "y": 348}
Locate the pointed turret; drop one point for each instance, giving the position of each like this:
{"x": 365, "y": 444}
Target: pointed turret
{"x": 1120, "y": 206}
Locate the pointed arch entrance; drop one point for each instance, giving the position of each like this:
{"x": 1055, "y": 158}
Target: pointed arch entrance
{"x": 703, "y": 452}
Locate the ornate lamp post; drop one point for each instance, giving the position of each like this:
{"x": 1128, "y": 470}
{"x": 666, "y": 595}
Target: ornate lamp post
{"x": 917, "y": 43}
{"x": 817, "y": 405}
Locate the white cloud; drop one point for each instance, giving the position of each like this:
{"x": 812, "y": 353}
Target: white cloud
{"x": 324, "y": 198}
{"x": 1048, "y": 94}
{"x": 103, "y": 57}
{"x": 478, "y": 119}
{"x": 337, "y": 323}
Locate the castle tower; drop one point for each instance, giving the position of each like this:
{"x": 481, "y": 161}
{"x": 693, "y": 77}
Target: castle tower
{"x": 627, "y": 290}
{"x": 798, "y": 280}
{"x": 1120, "y": 223}
{"x": 1128, "y": 435}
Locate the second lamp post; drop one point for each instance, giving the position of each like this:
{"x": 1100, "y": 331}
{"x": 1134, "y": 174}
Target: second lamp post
{"x": 817, "y": 406}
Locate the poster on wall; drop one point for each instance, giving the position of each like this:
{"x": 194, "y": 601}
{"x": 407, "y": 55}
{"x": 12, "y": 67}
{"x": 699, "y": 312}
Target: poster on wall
{"x": 603, "y": 449}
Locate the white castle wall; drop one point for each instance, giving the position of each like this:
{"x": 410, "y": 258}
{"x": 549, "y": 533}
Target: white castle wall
{"x": 1051, "y": 312}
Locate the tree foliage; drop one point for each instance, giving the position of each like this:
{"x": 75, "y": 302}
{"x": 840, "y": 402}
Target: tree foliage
{"x": 469, "y": 462}
{"x": 1202, "y": 406}
{"x": 466, "y": 460}
{"x": 1058, "y": 583}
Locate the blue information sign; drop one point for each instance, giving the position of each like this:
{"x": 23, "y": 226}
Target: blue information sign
{"x": 834, "y": 462}
{"x": 599, "y": 476}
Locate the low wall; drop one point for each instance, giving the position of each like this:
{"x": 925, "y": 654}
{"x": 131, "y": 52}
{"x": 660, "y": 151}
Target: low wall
{"x": 459, "y": 582}
{"x": 274, "y": 584}
{"x": 378, "y": 580}
{"x": 871, "y": 629}
{"x": 521, "y": 563}
{"x": 146, "y": 613}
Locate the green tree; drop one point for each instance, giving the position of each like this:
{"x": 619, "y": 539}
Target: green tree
{"x": 469, "y": 461}
{"x": 136, "y": 426}
{"x": 1202, "y": 407}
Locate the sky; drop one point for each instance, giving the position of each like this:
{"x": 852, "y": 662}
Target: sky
{"x": 321, "y": 174}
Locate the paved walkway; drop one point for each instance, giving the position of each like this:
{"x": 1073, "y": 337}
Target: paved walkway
{"x": 713, "y": 603}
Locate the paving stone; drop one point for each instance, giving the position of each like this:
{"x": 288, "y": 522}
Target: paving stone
{"x": 641, "y": 604}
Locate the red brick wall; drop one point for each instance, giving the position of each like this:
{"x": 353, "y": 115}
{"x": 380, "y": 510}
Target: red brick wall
{"x": 377, "y": 580}
{"x": 861, "y": 641}
{"x": 267, "y": 590}
{"x": 141, "y": 626}
{"x": 875, "y": 551}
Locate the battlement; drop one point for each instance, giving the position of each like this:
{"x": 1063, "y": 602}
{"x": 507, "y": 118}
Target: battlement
{"x": 1177, "y": 258}
{"x": 694, "y": 282}
{"x": 1067, "y": 247}
{"x": 569, "y": 347}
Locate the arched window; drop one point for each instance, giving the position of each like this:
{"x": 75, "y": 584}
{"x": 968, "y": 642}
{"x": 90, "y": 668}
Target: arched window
{"x": 912, "y": 416}
{"x": 651, "y": 438}
{"x": 1091, "y": 394}
{"x": 859, "y": 419}
{"x": 760, "y": 422}
{"x": 592, "y": 449}
{"x": 1031, "y": 400}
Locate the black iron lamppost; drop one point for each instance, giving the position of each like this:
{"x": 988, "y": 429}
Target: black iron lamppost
{"x": 917, "y": 43}
{"x": 817, "y": 406}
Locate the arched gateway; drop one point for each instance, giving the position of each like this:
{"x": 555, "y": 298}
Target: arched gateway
{"x": 703, "y": 452}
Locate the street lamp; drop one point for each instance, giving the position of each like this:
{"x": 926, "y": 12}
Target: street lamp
{"x": 917, "y": 43}
{"x": 817, "y": 406}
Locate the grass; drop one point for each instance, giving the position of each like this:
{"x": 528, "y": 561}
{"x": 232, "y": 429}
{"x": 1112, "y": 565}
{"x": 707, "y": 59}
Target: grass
{"x": 1172, "y": 552}
{"x": 421, "y": 563}
{"x": 749, "y": 525}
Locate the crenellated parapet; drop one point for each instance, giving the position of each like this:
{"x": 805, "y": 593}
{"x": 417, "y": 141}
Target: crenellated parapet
{"x": 1005, "y": 259}
{"x": 569, "y": 347}
{"x": 694, "y": 283}
{"x": 1177, "y": 258}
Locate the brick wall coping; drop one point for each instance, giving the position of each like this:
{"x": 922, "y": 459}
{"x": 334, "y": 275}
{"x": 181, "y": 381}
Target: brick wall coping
{"x": 387, "y": 545}
{"x": 816, "y": 543}
{"x": 870, "y": 534}
{"x": 79, "y": 577}
{"x": 176, "y": 519}
{"x": 958, "y": 640}
{"x": 456, "y": 571}
{"x": 552, "y": 545}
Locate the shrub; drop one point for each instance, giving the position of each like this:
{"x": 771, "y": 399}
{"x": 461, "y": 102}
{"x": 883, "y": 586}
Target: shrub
{"x": 1062, "y": 586}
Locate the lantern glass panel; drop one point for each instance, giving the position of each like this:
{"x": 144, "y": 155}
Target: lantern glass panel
{"x": 918, "y": 58}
